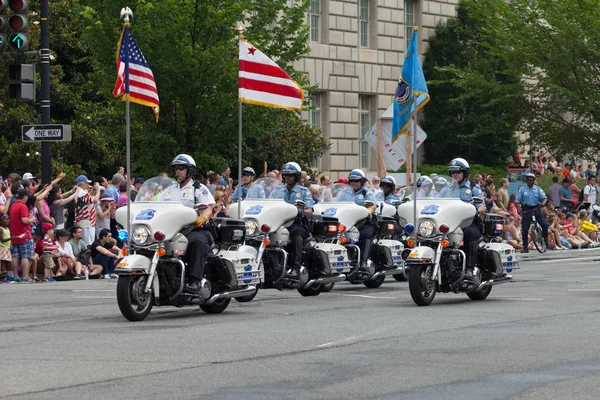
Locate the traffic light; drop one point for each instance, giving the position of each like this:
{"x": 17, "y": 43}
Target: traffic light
{"x": 3, "y": 22}
{"x": 25, "y": 89}
{"x": 18, "y": 23}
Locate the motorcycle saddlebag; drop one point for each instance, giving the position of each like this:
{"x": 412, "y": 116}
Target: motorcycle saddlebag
{"x": 324, "y": 226}
{"x": 318, "y": 260}
{"x": 230, "y": 231}
{"x": 382, "y": 255}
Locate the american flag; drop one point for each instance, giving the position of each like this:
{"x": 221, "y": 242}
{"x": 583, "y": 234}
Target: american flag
{"x": 134, "y": 77}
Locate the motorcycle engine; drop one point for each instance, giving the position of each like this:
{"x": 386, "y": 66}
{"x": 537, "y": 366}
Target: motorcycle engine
{"x": 452, "y": 264}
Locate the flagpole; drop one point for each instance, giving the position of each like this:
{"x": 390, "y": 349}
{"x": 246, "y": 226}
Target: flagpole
{"x": 127, "y": 14}
{"x": 414, "y": 133}
{"x": 239, "y": 186}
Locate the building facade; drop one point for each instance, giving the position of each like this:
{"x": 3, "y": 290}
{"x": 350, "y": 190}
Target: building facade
{"x": 357, "y": 48}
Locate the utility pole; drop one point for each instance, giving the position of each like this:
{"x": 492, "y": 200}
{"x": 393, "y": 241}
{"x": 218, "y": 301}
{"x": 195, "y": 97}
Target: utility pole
{"x": 45, "y": 89}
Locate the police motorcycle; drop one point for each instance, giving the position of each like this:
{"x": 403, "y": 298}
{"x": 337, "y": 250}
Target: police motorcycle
{"x": 267, "y": 219}
{"x": 436, "y": 261}
{"x": 385, "y": 256}
{"x": 153, "y": 271}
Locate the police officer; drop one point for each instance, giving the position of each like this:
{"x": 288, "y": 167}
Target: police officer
{"x": 246, "y": 180}
{"x": 197, "y": 196}
{"x": 424, "y": 186}
{"x": 460, "y": 170}
{"x": 387, "y": 185}
{"x": 291, "y": 191}
{"x": 360, "y": 194}
{"x": 530, "y": 197}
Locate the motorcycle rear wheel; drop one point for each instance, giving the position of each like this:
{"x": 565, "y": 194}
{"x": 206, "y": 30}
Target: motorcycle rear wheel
{"x": 480, "y": 294}
{"x": 374, "y": 283}
{"x": 422, "y": 287}
{"x": 248, "y": 298}
{"x": 215, "y": 308}
{"x": 135, "y": 305}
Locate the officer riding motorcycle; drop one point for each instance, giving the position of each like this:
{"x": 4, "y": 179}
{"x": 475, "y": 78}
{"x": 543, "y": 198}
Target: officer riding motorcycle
{"x": 388, "y": 184}
{"x": 290, "y": 192}
{"x": 246, "y": 180}
{"x": 195, "y": 195}
{"x": 361, "y": 194}
{"x": 424, "y": 186}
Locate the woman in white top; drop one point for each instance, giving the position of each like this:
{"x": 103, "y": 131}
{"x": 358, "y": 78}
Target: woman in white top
{"x": 511, "y": 234}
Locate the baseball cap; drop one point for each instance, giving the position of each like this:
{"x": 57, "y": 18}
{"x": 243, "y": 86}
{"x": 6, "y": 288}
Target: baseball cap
{"x": 139, "y": 179}
{"x": 22, "y": 193}
{"x": 47, "y": 226}
{"x": 106, "y": 197}
{"x": 28, "y": 176}
{"x": 83, "y": 178}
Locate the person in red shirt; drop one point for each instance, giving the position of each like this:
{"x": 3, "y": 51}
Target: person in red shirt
{"x": 22, "y": 245}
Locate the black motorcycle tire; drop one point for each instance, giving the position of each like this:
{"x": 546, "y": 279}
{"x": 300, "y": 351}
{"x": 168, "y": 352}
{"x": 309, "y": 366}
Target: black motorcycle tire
{"x": 313, "y": 290}
{"x": 422, "y": 288}
{"x": 327, "y": 287}
{"x": 374, "y": 283}
{"x": 480, "y": 294}
{"x": 127, "y": 303}
{"x": 215, "y": 308}
{"x": 246, "y": 299}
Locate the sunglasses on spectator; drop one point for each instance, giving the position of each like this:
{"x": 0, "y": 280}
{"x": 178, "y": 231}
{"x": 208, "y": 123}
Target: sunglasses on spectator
{"x": 179, "y": 167}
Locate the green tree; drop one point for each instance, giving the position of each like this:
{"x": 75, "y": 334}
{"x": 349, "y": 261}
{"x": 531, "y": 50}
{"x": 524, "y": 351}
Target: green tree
{"x": 476, "y": 96}
{"x": 556, "y": 43}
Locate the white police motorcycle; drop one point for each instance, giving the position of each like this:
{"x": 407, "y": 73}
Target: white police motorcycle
{"x": 267, "y": 219}
{"x": 436, "y": 262}
{"x": 153, "y": 272}
{"x": 385, "y": 257}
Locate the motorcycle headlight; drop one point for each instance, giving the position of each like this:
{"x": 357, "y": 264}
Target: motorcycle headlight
{"x": 140, "y": 235}
{"x": 426, "y": 228}
{"x": 251, "y": 227}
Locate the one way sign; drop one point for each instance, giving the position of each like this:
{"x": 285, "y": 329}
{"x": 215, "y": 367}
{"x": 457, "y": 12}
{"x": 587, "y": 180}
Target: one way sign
{"x": 46, "y": 133}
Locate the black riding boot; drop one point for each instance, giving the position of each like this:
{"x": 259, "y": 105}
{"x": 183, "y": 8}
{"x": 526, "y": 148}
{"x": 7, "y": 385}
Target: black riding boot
{"x": 365, "y": 253}
{"x": 293, "y": 271}
{"x": 471, "y": 259}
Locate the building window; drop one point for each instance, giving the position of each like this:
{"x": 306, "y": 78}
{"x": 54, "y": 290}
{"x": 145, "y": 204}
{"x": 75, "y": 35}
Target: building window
{"x": 409, "y": 20}
{"x": 314, "y": 115}
{"x": 314, "y": 16}
{"x": 363, "y": 18}
{"x": 365, "y": 121}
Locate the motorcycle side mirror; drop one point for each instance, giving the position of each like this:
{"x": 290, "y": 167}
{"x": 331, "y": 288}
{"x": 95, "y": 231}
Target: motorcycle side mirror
{"x": 299, "y": 203}
{"x": 396, "y": 202}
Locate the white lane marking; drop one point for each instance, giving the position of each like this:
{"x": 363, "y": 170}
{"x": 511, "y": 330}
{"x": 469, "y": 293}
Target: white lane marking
{"x": 94, "y": 297}
{"x": 93, "y": 290}
{"x": 584, "y": 290}
{"x": 562, "y": 260}
{"x": 520, "y": 298}
{"x": 347, "y": 340}
{"x": 369, "y": 297}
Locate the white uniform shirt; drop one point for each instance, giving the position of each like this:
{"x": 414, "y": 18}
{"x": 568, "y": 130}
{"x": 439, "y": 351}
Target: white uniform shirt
{"x": 591, "y": 192}
{"x": 188, "y": 195}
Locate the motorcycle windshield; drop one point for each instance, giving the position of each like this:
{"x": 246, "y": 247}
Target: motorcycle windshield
{"x": 344, "y": 193}
{"x": 156, "y": 189}
{"x": 263, "y": 189}
{"x": 444, "y": 187}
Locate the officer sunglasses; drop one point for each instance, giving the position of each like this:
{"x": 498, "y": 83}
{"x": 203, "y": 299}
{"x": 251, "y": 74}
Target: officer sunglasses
{"x": 179, "y": 167}
{"x": 354, "y": 180}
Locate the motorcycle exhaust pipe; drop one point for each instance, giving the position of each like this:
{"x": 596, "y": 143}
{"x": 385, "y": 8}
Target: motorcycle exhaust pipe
{"x": 493, "y": 282}
{"x": 325, "y": 280}
{"x": 388, "y": 272}
{"x": 232, "y": 294}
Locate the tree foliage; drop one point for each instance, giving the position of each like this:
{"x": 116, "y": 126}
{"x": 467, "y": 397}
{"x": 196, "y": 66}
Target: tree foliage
{"x": 192, "y": 49}
{"x": 476, "y": 97}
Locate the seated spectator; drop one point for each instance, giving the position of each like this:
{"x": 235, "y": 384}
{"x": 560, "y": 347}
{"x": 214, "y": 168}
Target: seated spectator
{"x": 573, "y": 232}
{"x": 50, "y": 256}
{"x": 82, "y": 254}
{"x": 511, "y": 234}
{"x": 587, "y": 227}
{"x": 69, "y": 261}
{"x": 106, "y": 253}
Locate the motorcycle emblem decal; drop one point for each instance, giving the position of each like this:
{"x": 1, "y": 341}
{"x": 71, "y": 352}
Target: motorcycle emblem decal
{"x": 431, "y": 209}
{"x": 247, "y": 274}
{"x": 254, "y": 210}
{"x": 340, "y": 258}
{"x": 145, "y": 215}
{"x": 330, "y": 212}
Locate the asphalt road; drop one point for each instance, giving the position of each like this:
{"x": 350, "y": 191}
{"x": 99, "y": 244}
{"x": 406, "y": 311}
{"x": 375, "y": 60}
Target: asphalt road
{"x": 535, "y": 338}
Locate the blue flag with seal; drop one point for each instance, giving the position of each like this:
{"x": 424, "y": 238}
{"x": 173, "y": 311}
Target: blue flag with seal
{"x": 412, "y": 83}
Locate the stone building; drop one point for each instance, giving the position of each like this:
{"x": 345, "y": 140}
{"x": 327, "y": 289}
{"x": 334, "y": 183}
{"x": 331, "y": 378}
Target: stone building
{"x": 356, "y": 53}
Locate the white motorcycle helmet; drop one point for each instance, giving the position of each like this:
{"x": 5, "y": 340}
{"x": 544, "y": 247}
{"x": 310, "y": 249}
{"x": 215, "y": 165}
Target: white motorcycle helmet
{"x": 186, "y": 160}
{"x": 357, "y": 174}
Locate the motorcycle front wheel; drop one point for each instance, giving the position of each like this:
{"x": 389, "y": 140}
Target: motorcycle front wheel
{"x": 135, "y": 305}
{"x": 421, "y": 285}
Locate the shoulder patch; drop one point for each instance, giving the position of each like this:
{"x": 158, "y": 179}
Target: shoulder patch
{"x": 204, "y": 191}
{"x": 468, "y": 191}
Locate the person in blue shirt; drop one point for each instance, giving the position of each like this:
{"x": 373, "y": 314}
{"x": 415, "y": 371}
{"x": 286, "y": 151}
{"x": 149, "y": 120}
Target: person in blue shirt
{"x": 459, "y": 169}
{"x": 246, "y": 180}
{"x": 388, "y": 185}
{"x": 530, "y": 198}
{"x": 361, "y": 194}
{"x": 565, "y": 195}
{"x": 291, "y": 191}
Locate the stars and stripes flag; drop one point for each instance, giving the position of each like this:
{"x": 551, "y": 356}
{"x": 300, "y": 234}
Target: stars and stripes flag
{"x": 134, "y": 77}
{"x": 261, "y": 81}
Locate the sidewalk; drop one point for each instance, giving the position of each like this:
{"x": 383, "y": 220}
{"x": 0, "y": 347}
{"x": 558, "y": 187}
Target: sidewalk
{"x": 534, "y": 255}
